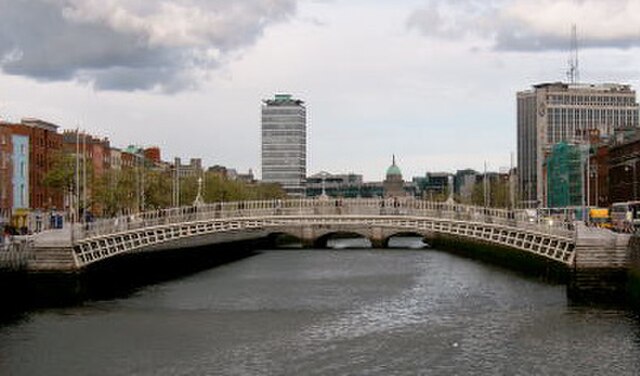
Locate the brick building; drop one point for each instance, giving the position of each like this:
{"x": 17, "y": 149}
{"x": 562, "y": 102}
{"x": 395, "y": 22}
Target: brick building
{"x": 152, "y": 154}
{"x": 6, "y": 167}
{"x": 96, "y": 150}
{"x": 599, "y": 176}
{"x": 624, "y": 171}
{"x": 45, "y": 145}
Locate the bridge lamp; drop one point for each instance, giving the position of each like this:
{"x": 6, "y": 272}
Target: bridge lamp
{"x": 324, "y": 175}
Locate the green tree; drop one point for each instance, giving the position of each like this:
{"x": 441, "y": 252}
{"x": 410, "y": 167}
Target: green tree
{"x": 498, "y": 195}
{"x": 157, "y": 189}
{"x": 61, "y": 176}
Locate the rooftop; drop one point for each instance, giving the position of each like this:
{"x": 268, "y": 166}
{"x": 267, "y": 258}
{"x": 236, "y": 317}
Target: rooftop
{"x": 283, "y": 100}
{"x": 600, "y": 87}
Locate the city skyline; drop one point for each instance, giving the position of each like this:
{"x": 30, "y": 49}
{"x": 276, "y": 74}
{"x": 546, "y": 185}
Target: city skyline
{"x": 432, "y": 82}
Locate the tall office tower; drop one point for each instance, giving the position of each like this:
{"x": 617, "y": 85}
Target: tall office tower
{"x": 284, "y": 143}
{"x": 553, "y": 112}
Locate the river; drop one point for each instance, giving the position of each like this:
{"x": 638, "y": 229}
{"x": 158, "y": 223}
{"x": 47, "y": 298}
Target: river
{"x": 329, "y": 312}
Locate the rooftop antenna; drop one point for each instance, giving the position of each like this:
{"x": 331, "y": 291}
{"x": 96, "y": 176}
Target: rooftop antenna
{"x": 573, "y": 74}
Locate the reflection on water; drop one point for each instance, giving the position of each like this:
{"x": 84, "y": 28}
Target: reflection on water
{"x": 301, "y": 312}
{"x": 401, "y": 242}
{"x": 347, "y": 243}
{"x": 410, "y": 242}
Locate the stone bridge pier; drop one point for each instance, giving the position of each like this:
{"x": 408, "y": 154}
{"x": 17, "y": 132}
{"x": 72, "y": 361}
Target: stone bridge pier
{"x": 317, "y": 235}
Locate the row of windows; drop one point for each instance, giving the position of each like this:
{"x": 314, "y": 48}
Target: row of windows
{"x": 284, "y": 179}
{"x": 287, "y": 117}
{"x": 593, "y": 100}
{"x": 294, "y": 171}
{"x": 298, "y": 150}
{"x": 288, "y": 126}
{"x": 611, "y": 114}
{"x": 283, "y": 111}
{"x": 292, "y": 160}
{"x": 274, "y": 162}
{"x": 283, "y": 144}
{"x": 270, "y": 137}
{"x": 300, "y": 133}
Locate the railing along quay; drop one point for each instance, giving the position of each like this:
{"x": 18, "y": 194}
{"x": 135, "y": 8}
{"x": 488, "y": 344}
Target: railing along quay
{"x": 327, "y": 207}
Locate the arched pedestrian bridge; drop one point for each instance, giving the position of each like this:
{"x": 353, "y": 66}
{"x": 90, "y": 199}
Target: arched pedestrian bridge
{"x": 312, "y": 220}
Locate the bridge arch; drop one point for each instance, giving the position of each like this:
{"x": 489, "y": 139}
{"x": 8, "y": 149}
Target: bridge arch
{"x": 322, "y": 241}
{"x": 309, "y": 221}
{"x": 424, "y": 237}
{"x": 283, "y": 239}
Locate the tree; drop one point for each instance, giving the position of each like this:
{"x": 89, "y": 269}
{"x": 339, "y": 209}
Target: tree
{"x": 157, "y": 189}
{"x": 498, "y": 194}
{"x": 61, "y": 176}
{"x": 115, "y": 192}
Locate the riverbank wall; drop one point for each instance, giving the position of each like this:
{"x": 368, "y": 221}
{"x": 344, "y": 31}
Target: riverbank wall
{"x": 520, "y": 261}
{"x": 633, "y": 277}
{"x": 24, "y": 290}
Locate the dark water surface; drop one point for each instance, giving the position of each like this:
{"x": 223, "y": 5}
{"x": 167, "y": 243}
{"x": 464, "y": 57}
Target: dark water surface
{"x": 349, "y": 312}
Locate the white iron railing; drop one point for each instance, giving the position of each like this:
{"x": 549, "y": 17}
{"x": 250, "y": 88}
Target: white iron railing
{"x": 325, "y": 207}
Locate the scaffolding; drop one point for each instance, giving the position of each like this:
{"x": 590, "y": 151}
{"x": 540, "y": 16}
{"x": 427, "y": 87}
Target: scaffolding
{"x": 565, "y": 180}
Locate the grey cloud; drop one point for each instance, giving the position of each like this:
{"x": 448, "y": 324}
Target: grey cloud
{"x": 54, "y": 40}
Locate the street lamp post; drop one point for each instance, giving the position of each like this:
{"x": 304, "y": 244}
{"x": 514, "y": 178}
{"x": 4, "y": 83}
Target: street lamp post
{"x": 199, "y": 201}
{"x": 593, "y": 173}
{"x": 323, "y": 175}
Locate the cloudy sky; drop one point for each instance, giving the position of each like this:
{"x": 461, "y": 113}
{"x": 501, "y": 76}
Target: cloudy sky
{"x": 432, "y": 81}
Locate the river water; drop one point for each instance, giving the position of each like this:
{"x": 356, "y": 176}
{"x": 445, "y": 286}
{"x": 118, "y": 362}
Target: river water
{"x": 329, "y": 312}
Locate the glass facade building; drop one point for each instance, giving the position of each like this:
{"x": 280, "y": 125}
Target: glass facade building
{"x": 284, "y": 143}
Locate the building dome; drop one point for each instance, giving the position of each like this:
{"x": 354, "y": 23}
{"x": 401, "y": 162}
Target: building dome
{"x": 394, "y": 170}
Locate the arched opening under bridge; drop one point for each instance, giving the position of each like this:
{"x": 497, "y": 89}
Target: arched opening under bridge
{"x": 342, "y": 240}
{"x": 404, "y": 240}
{"x": 283, "y": 240}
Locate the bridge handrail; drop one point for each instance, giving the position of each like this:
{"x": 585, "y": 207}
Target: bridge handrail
{"x": 320, "y": 206}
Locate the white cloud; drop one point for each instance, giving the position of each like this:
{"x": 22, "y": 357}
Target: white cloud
{"x": 533, "y": 25}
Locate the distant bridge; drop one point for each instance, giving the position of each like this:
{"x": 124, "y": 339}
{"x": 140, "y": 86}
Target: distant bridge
{"x": 310, "y": 220}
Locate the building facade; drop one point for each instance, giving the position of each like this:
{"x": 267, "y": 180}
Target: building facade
{"x": 45, "y": 145}
{"x": 6, "y": 172}
{"x": 20, "y": 175}
{"x": 550, "y": 113}
{"x": 284, "y": 143}
{"x": 434, "y": 186}
{"x": 192, "y": 169}
{"x": 624, "y": 171}
{"x": 463, "y": 184}
{"x": 393, "y": 183}
{"x": 335, "y": 185}
{"x": 152, "y": 154}
{"x": 116, "y": 159}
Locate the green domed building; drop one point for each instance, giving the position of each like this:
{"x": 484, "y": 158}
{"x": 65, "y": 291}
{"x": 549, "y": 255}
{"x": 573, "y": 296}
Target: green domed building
{"x": 393, "y": 184}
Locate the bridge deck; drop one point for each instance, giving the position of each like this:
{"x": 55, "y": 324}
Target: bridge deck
{"x": 310, "y": 219}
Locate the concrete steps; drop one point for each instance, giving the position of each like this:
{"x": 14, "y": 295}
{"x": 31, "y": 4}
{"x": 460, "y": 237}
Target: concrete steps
{"x": 52, "y": 260}
{"x": 599, "y": 248}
